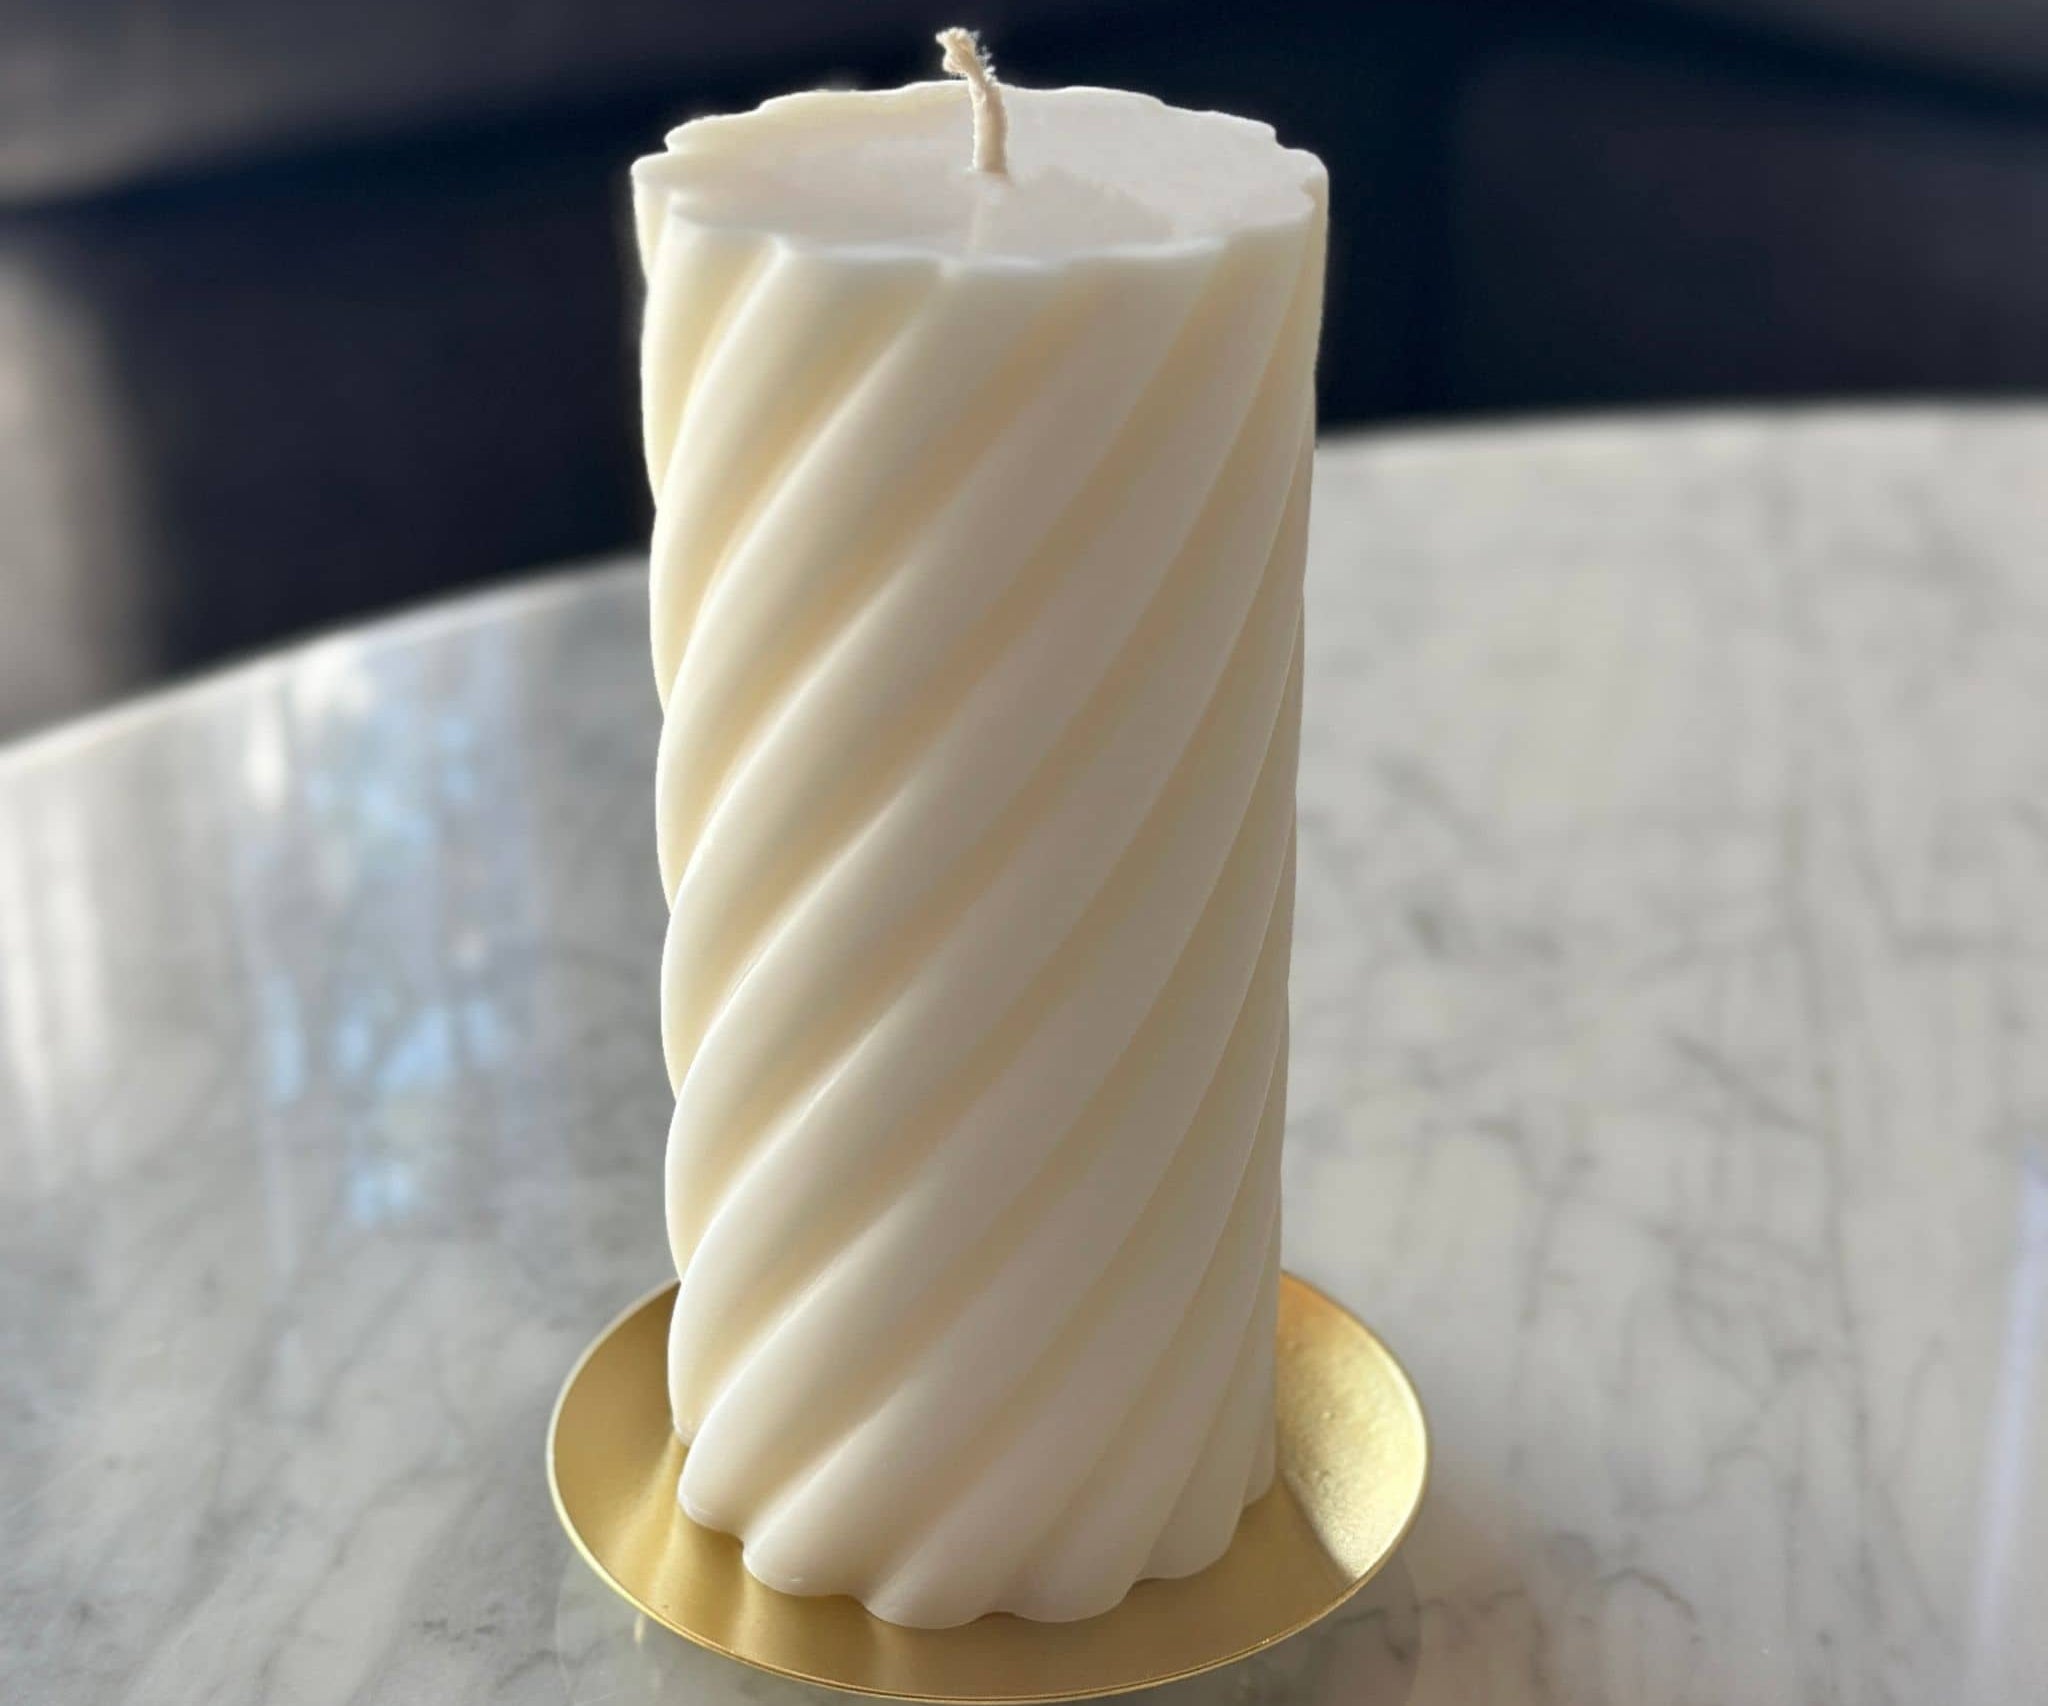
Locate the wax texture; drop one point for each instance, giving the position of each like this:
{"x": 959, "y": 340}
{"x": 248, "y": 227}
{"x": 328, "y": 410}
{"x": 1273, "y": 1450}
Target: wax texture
{"x": 976, "y": 621}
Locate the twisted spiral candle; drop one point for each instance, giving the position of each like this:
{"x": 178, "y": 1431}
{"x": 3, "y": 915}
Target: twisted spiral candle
{"x": 976, "y": 606}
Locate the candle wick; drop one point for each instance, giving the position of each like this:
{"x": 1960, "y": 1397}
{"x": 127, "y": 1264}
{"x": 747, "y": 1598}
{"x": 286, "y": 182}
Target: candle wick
{"x": 964, "y": 58}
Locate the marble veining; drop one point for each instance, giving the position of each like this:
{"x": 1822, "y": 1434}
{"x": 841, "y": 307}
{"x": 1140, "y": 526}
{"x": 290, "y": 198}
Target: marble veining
{"x": 1668, "y": 1084}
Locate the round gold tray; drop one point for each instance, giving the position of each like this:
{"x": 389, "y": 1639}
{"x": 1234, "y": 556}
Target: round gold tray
{"x": 1354, "y": 1455}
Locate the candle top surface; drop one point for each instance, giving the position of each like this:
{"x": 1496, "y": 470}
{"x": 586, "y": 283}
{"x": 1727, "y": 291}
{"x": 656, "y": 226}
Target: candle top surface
{"x": 1090, "y": 171}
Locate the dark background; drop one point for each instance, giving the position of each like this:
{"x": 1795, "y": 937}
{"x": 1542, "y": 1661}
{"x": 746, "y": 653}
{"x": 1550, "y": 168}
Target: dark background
{"x": 310, "y": 309}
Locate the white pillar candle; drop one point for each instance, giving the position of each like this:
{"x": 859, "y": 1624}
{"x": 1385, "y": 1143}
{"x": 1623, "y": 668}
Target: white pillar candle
{"x": 981, "y": 500}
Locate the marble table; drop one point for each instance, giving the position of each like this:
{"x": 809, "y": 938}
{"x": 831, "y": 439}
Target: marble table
{"x": 1670, "y": 1086}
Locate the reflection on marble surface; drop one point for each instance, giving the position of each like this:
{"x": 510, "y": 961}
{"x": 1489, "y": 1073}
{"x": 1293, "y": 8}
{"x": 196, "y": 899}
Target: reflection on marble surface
{"x": 1670, "y": 1087}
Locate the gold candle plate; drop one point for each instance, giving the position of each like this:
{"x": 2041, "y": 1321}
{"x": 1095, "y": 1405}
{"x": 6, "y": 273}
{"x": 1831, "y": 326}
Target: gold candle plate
{"x": 1354, "y": 1457}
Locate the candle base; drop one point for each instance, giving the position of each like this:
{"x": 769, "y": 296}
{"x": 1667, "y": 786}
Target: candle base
{"x": 1353, "y": 1460}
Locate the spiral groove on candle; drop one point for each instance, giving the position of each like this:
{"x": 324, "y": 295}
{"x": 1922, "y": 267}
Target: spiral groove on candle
{"x": 978, "y": 839}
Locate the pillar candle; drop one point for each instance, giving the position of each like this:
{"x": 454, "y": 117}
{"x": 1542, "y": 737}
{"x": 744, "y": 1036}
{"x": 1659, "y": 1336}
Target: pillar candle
{"x": 979, "y": 421}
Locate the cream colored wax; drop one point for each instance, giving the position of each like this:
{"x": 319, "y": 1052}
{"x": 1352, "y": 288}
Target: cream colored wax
{"x": 976, "y": 621}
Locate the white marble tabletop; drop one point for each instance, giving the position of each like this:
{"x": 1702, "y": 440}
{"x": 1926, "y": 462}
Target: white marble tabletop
{"x": 1670, "y": 1086}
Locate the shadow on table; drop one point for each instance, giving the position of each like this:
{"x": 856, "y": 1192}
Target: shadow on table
{"x": 1365, "y": 1655}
